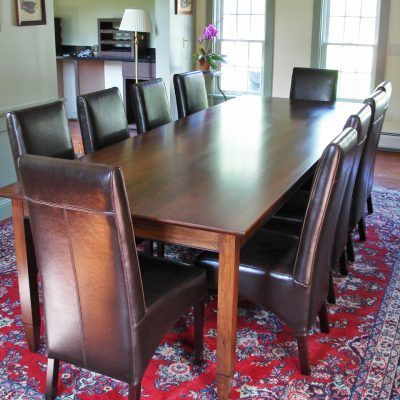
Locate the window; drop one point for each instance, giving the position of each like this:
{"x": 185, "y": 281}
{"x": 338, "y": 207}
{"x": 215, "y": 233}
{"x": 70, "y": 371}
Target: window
{"x": 242, "y": 40}
{"x": 350, "y": 31}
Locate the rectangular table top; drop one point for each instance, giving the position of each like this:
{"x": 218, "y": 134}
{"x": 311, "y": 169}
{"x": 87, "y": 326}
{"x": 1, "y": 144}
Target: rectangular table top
{"x": 225, "y": 169}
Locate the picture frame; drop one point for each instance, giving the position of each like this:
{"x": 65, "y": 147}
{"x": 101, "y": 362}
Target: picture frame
{"x": 184, "y": 7}
{"x": 30, "y": 12}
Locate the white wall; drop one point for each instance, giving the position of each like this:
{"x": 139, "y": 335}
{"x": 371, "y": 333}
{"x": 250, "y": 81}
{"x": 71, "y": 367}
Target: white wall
{"x": 28, "y": 76}
{"x": 392, "y": 72}
{"x": 292, "y": 41}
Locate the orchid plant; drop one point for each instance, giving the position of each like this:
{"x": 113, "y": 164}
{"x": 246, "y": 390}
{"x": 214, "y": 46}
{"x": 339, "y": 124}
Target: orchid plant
{"x": 205, "y": 54}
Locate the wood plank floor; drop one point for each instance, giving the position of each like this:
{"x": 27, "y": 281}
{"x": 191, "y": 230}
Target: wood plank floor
{"x": 387, "y": 167}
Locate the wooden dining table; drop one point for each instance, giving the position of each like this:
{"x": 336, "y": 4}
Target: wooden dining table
{"x": 207, "y": 181}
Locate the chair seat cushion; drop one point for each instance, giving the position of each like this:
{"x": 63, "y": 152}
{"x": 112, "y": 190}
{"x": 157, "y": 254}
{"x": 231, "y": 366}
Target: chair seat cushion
{"x": 161, "y": 276}
{"x": 268, "y": 253}
{"x": 295, "y": 208}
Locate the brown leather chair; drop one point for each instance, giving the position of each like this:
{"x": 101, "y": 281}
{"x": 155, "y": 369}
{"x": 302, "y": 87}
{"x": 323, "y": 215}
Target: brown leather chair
{"x": 361, "y": 123}
{"x": 287, "y": 274}
{"x": 385, "y": 86}
{"x": 313, "y": 84}
{"x": 105, "y": 308}
{"x": 291, "y": 215}
{"x": 365, "y": 175}
{"x": 150, "y": 105}
{"x": 102, "y": 119}
{"x": 190, "y": 93}
{"x": 42, "y": 130}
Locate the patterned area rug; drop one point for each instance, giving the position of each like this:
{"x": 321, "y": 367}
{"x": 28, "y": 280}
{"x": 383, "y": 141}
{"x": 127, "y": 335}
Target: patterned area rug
{"x": 359, "y": 359}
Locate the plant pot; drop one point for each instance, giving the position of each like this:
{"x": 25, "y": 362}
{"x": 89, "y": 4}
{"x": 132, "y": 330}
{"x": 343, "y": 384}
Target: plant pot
{"x": 204, "y": 65}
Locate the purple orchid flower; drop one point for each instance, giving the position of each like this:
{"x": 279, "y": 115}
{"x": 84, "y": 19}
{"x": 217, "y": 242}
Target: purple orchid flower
{"x": 210, "y": 32}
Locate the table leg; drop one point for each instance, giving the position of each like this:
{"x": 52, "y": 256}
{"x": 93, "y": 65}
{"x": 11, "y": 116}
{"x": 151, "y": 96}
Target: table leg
{"x": 27, "y": 275}
{"x": 227, "y": 312}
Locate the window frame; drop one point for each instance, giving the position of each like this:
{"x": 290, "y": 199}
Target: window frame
{"x": 213, "y": 13}
{"x": 318, "y": 53}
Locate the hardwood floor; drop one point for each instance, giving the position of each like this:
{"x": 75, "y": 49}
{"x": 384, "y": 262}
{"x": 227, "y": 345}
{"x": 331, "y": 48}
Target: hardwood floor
{"x": 387, "y": 167}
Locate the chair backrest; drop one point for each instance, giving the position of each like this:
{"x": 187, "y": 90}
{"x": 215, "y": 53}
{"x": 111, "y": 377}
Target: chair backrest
{"x": 386, "y": 86}
{"x": 365, "y": 175}
{"x": 102, "y": 119}
{"x": 86, "y": 255}
{"x": 190, "y": 92}
{"x": 314, "y": 253}
{"x": 360, "y": 122}
{"x": 150, "y": 105}
{"x": 313, "y": 84}
{"x": 42, "y": 130}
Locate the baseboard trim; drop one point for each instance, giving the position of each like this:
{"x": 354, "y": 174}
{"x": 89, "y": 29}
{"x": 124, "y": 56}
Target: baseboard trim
{"x": 389, "y": 141}
{"x": 5, "y": 209}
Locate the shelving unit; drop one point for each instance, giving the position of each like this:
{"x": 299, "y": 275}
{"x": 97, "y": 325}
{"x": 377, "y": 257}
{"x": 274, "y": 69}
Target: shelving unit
{"x": 114, "y": 42}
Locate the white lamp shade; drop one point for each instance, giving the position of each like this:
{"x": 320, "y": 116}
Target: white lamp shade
{"x": 135, "y": 21}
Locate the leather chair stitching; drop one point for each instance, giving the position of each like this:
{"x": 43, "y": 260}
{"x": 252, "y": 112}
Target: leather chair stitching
{"x": 71, "y": 251}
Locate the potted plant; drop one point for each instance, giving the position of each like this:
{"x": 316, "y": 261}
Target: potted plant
{"x": 204, "y": 55}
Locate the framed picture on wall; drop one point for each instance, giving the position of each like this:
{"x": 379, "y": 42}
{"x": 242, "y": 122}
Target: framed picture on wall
{"x": 184, "y": 6}
{"x": 30, "y": 12}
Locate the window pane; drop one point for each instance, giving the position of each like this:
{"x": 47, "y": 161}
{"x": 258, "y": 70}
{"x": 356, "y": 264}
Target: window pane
{"x": 242, "y": 54}
{"x": 337, "y": 7}
{"x": 227, "y": 77}
{"x": 229, "y": 27}
{"x": 257, "y": 27}
{"x": 346, "y": 85}
{"x": 243, "y": 27}
{"x": 230, "y": 6}
{"x": 364, "y": 57}
{"x": 228, "y": 49}
{"x": 336, "y": 29}
{"x": 255, "y": 55}
{"x": 244, "y": 6}
{"x": 351, "y": 30}
{"x": 353, "y": 8}
{"x": 334, "y": 57}
{"x": 369, "y": 8}
{"x": 241, "y": 79}
{"x": 255, "y": 79}
{"x": 367, "y": 30}
{"x": 258, "y": 7}
{"x": 362, "y": 85}
{"x": 349, "y": 62}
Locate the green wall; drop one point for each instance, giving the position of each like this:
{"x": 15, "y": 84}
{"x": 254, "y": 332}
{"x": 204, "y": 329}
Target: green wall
{"x": 79, "y": 17}
{"x": 27, "y": 76}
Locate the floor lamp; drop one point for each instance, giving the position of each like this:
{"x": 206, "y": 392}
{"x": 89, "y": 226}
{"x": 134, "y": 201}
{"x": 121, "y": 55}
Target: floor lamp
{"x": 135, "y": 21}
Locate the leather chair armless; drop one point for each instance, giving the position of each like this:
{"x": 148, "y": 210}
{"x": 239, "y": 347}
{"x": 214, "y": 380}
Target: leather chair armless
{"x": 42, "y": 130}
{"x": 150, "y": 105}
{"x": 385, "y": 86}
{"x": 102, "y": 119}
{"x": 365, "y": 175}
{"x": 105, "y": 308}
{"x": 313, "y": 84}
{"x": 190, "y": 93}
{"x": 287, "y": 274}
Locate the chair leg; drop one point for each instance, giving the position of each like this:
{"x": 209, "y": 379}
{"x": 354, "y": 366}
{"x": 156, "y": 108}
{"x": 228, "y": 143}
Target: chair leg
{"x": 52, "y": 378}
{"x": 198, "y": 311}
{"x": 361, "y": 229}
{"x": 331, "y": 289}
{"x": 160, "y": 249}
{"x": 350, "y": 248}
{"x": 134, "y": 392}
{"x": 343, "y": 264}
{"x": 304, "y": 358}
{"x": 323, "y": 319}
{"x": 370, "y": 206}
{"x": 148, "y": 247}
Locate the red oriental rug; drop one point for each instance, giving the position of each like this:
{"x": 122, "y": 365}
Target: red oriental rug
{"x": 359, "y": 359}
